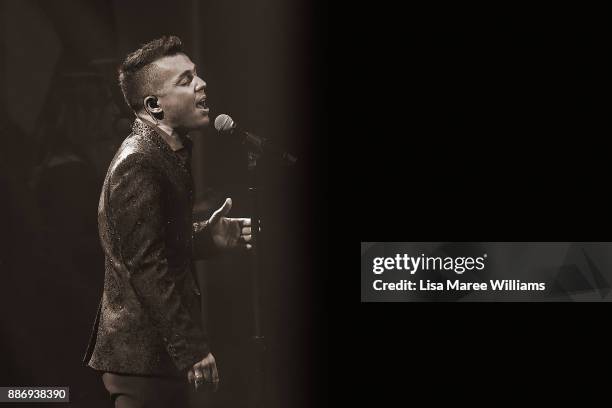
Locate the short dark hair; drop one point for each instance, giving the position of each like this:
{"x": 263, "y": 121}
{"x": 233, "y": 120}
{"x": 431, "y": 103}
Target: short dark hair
{"x": 137, "y": 77}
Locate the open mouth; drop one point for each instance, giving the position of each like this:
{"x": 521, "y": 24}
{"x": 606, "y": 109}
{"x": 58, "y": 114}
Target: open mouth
{"x": 201, "y": 104}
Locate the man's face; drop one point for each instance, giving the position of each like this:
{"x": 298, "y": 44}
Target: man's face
{"x": 181, "y": 93}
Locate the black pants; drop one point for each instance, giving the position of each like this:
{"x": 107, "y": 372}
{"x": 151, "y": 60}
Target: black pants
{"x": 131, "y": 391}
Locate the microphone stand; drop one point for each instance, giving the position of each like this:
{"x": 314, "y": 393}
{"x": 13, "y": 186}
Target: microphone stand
{"x": 259, "y": 346}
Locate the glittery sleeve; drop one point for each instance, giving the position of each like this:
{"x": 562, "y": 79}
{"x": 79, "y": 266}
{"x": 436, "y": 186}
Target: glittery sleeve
{"x": 138, "y": 220}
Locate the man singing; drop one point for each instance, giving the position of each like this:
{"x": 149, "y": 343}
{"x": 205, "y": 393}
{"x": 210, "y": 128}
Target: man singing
{"x": 147, "y": 338}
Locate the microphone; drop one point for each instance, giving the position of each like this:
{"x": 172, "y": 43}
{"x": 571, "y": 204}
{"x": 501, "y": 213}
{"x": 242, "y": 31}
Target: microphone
{"x": 226, "y": 125}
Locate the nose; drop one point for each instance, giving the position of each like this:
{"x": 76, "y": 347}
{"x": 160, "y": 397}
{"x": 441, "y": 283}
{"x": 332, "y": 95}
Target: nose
{"x": 200, "y": 84}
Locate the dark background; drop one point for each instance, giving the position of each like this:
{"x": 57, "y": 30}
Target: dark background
{"x": 500, "y": 135}
{"x": 490, "y": 125}
{"x": 62, "y": 118}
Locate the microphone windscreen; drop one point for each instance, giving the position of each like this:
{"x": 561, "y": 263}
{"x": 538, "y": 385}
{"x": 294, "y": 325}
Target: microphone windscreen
{"x": 224, "y": 123}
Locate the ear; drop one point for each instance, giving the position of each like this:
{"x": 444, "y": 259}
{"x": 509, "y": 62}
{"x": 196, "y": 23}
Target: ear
{"x": 151, "y": 105}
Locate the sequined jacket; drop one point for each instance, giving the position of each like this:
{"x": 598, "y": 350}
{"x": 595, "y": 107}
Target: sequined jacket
{"x": 148, "y": 322}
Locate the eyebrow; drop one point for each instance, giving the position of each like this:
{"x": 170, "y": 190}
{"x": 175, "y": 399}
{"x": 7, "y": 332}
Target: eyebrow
{"x": 184, "y": 74}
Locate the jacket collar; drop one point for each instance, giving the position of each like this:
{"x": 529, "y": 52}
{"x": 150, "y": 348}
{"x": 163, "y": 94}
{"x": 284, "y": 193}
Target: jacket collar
{"x": 159, "y": 137}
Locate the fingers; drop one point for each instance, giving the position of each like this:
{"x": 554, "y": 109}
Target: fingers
{"x": 200, "y": 372}
{"x": 245, "y": 232}
{"x": 244, "y": 225}
{"x": 206, "y": 369}
{"x": 221, "y": 212}
{"x": 204, "y": 373}
{"x": 199, "y": 376}
{"x": 214, "y": 373}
